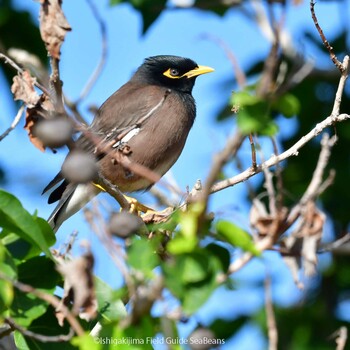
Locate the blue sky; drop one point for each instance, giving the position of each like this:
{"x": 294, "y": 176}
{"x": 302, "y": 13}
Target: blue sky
{"x": 178, "y": 32}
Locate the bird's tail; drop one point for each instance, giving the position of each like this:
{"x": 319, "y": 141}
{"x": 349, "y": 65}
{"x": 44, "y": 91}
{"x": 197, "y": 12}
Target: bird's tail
{"x": 73, "y": 198}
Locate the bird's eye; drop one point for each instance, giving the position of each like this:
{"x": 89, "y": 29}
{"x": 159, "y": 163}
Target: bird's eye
{"x": 174, "y": 72}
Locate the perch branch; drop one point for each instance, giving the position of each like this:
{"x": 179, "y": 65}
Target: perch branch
{"x": 51, "y": 299}
{"x": 14, "y": 123}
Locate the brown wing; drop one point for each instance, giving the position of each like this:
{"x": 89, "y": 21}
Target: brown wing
{"x": 126, "y": 108}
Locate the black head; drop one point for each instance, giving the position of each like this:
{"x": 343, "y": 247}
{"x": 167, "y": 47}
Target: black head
{"x": 173, "y": 72}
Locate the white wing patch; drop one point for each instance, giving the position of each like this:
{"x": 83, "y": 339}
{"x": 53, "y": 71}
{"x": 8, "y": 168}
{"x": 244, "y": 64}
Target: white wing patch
{"x": 127, "y": 137}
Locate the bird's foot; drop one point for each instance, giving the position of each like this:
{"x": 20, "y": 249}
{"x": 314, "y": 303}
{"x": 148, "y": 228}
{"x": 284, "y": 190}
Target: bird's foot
{"x": 136, "y": 207}
{"x": 149, "y": 215}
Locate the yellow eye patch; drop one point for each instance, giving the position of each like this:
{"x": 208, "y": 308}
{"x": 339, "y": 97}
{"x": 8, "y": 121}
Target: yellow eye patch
{"x": 171, "y": 72}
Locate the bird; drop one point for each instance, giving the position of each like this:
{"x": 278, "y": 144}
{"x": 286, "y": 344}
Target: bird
{"x": 148, "y": 119}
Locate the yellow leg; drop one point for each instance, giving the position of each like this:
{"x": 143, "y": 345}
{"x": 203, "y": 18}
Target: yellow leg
{"x": 137, "y": 207}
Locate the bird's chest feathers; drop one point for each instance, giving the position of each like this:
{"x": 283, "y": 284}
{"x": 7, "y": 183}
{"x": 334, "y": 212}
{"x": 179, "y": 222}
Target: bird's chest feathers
{"x": 163, "y": 126}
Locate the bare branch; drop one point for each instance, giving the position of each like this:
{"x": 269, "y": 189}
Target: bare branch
{"x": 14, "y": 123}
{"x": 219, "y": 161}
{"x": 56, "y": 84}
{"x": 312, "y": 191}
{"x": 341, "y": 86}
{"x": 41, "y": 337}
{"x": 273, "y": 160}
{"x": 270, "y": 316}
{"x": 115, "y": 251}
{"x": 326, "y": 43}
{"x": 51, "y": 299}
{"x": 19, "y": 70}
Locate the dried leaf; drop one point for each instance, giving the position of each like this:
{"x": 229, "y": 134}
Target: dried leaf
{"x": 312, "y": 234}
{"x": 78, "y": 287}
{"x": 264, "y": 223}
{"x": 53, "y": 26}
{"x": 293, "y": 261}
{"x": 34, "y": 115}
{"x": 31, "y": 119}
{"x": 23, "y": 89}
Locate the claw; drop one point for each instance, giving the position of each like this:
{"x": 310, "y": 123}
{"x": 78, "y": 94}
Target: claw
{"x": 136, "y": 207}
{"x": 149, "y": 215}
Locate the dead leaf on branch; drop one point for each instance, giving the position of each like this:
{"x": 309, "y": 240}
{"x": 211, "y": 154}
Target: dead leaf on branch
{"x": 303, "y": 243}
{"x": 312, "y": 234}
{"x": 23, "y": 89}
{"x": 266, "y": 224}
{"x": 78, "y": 287}
{"x": 53, "y": 26}
{"x": 42, "y": 110}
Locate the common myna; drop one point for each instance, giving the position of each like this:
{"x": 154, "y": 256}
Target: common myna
{"x": 147, "y": 120}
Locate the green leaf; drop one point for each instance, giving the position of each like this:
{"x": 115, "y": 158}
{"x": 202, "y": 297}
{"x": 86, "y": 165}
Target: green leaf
{"x": 22, "y": 249}
{"x": 109, "y": 303}
{"x": 244, "y": 98}
{"x": 142, "y": 255}
{"x": 20, "y": 341}
{"x": 186, "y": 240}
{"x": 224, "y": 329}
{"x": 47, "y": 324}
{"x": 134, "y": 337}
{"x": 253, "y": 114}
{"x": 14, "y": 218}
{"x": 180, "y": 244}
{"x": 236, "y": 236}
{"x": 219, "y": 7}
{"x": 192, "y": 277}
{"x": 87, "y": 342}
{"x": 26, "y": 308}
{"x": 221, "y": 253}
{"x": 40, "y": 273}
{"x": 287, "y": 104}
{"x": 8, "y": 268}
{"x": 195, "y": 268}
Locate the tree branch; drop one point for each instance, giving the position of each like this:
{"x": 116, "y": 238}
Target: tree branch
{"x": 51, "y": 299}
{"x": 41, "y": 337}
{"x": 273, "y": 160}
{"x": 326, "y": 43}
{"x": 14, "y": 123}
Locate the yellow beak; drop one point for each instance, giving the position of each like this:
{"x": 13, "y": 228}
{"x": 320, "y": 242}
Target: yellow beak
{"x": 198, "y": 71}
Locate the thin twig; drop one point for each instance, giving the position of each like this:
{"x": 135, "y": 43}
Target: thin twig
{"x": 278, "y": 174}
{"x": 97, "y": 72}
{"x": 114, "y": 191}
{"x": 253, "y": 150}
{"x": 51, "y": 299}
{"x": 336, "y": 244}
{"x": 341, "y": 86}
{"x": 14, "y": 123}
{"x": 273, "y": 160}
{"x": 19, "y": 70}
{"x": 342, "y": 337}
{"x": 326, "y": 146}
{"x": 40, "y": 337}
{"x": 270, "y": 316}
{"x": 326, "y": 43}
{"x": 114, "y": 250}
{"x": 56, "y": 85}
{"x": 313, "y": 190}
